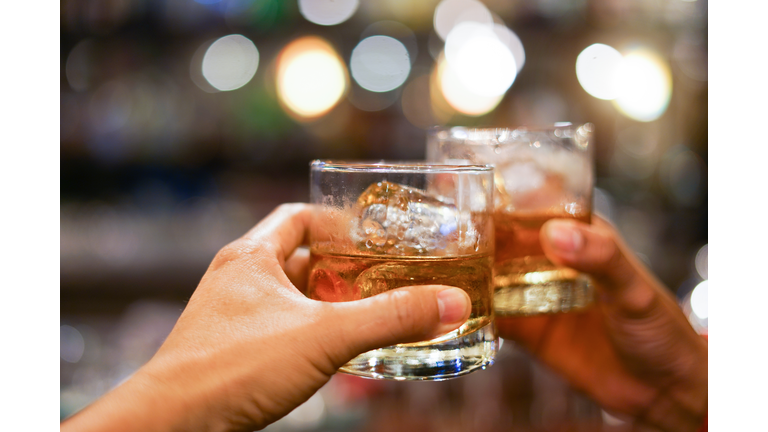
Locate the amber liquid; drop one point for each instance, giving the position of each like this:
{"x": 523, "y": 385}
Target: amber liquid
{"x": 338, "y": 278}
{"x": 525, "y": 281}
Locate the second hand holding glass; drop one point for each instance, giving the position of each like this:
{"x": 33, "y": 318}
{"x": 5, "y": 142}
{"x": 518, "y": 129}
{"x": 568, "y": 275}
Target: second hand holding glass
{"x": 540, "y": 174}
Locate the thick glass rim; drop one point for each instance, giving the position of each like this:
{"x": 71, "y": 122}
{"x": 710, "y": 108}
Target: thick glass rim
{"x": 396, "y": 167}
{"x": 565, "y": 135}
{"x": 534, "y": 128}
{"x": 504, "y": 135}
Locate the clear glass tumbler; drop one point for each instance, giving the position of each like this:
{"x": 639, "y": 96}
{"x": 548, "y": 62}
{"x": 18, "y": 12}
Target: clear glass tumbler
{"x": 380, "y": 226}
{"x": 540, "y": 174}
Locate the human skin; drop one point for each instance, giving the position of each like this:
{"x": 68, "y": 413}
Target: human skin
{"x": 249, "y": 347}
{"x": 634, "y": 351}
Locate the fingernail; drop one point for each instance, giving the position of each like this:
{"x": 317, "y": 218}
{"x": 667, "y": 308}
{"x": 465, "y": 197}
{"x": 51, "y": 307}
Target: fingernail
{"x": 565, "y": 237}
{"x": 452, "y": 304}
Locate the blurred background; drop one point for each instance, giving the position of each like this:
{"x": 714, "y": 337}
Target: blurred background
{"x": 184, "y": 122}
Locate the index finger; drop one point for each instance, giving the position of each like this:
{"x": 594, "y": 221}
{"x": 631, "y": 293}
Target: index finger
{"x": 286, "y": 227}
{"x": 599, "y": 251}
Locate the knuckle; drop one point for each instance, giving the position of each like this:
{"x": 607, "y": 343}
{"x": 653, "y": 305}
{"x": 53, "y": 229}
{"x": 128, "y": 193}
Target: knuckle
{"x": 290, "y": 208}
{"x": 238, "y": 250}
{"x": 612, "y": 262}
{"x": 227, "y": 254}
{"x": 639, "y": 301}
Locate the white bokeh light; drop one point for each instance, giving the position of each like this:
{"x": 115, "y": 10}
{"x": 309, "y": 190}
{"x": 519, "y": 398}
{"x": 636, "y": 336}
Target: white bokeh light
{"x": 72, "y": 344}
{"x": 644, "y": 86}
{"x": 700, "y": 301}
{"x": 483, "y": 63}
{"x": 380, "y": 63}
{"x": 461, "y": 98}
{"x": 327, "y": 12}
{"x": 311, "y": 77}
{"x": 450, "y": 13}
{"x": 701, "y": 262}
{"x": 230, "y": 62}
{"x": 596, "y": 70}
{"x": 512, "y": 41}
{"x": 395, "y": 30}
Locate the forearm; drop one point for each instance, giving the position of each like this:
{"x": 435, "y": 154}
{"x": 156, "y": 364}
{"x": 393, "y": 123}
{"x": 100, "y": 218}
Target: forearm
{"x": 141, "y": 403}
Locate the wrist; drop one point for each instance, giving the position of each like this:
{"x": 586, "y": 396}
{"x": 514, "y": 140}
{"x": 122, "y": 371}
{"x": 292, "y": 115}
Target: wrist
{"x": 683, "y": 405}
{"x": 147, "y": 401}
{"x": 182, "y": 395}
{"x": 136, "y": 404}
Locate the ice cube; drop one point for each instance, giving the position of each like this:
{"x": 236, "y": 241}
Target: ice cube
{"x": 526, "y": 186}
{"x": 401, "y": 220}
{"x": 521, "y": 176}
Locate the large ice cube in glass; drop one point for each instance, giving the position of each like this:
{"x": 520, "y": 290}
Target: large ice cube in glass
{"x": 401, "y": 220}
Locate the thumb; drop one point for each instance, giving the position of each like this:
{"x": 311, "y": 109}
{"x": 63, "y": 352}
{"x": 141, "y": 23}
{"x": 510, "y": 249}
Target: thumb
{"x": 596, "y": 250}
{"x": 409, "y": 314}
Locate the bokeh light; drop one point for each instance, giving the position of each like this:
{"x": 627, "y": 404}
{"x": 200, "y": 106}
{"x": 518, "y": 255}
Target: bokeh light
{"x": 512, "y": 41}
{"x": 702, "y": 262}
{"x": 484, "y": 65}
{"x": 700, "y": 301}
{"x": 230, "y": 62}
{"x": 477, "y": 67}
{"x": 311, "y": 77}
{"x": 72, "y": 344}
{"x": 79, "y": 67}
{"x": 196, "y": 68}
{"x": 458, "y": 96}
{"x": 596, "y": 69}
{"x": 644, "y": 86}
{"x": 395, "y": 30}
{"x": 380, "y": 63}
{"x": 327, "y": 12}
{"x": 450, "y": 13}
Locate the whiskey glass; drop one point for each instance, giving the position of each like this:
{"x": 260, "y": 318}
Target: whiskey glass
{"x": 540, "y": 174}
{"x": 379, "y": 226}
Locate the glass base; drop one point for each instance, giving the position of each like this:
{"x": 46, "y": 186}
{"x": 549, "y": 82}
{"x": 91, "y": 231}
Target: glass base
{"x": 546, "y": 296}
{"x": 435, "y": 362}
